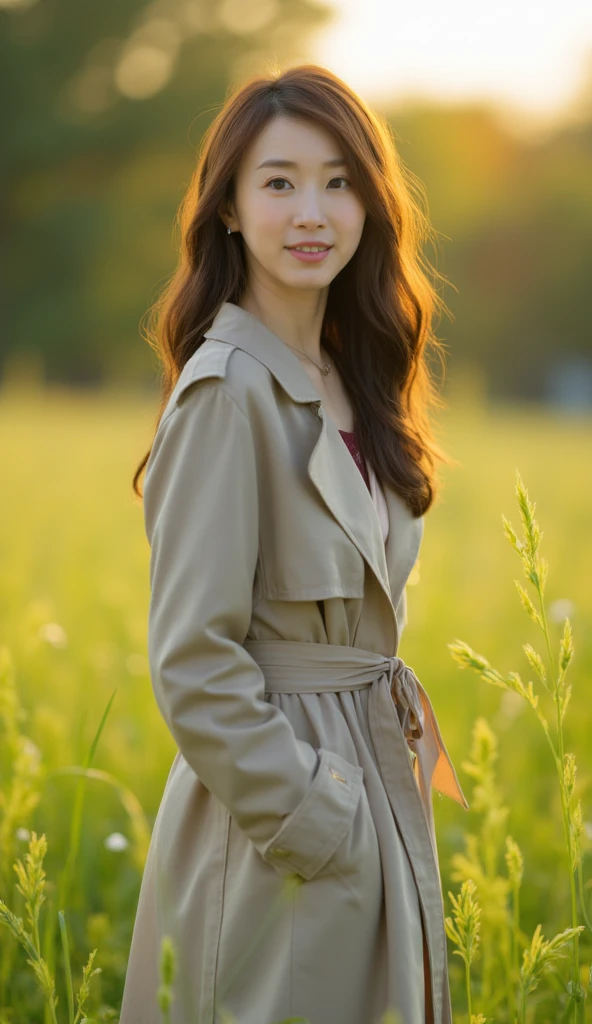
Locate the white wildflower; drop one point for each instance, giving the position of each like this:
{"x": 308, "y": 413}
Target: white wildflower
{"x": 116, "y": 841}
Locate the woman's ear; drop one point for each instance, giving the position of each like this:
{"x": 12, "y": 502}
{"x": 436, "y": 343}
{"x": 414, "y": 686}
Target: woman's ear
{"x": 227, "y": 216}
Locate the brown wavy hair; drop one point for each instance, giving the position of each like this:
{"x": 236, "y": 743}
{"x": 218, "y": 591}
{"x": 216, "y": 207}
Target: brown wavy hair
{"x": 380, "y": 307}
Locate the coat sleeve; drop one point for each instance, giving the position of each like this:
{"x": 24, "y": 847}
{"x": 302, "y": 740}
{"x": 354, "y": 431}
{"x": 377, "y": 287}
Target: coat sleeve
{"x": 295, "y": 802}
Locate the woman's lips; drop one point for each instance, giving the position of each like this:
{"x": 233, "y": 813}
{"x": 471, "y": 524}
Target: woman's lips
{"x": 310, "y": 257}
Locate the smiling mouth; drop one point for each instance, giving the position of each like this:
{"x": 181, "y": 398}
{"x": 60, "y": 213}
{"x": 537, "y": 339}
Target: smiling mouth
{"x": 309, "y": 248}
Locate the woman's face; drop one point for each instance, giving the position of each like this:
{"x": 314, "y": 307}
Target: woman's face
{"x": 292, "y": 187}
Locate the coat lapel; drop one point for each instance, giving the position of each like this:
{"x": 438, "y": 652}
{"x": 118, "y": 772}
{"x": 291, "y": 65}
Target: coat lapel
{"x": 342, "y": 488}
{"x": 331, "y": 468}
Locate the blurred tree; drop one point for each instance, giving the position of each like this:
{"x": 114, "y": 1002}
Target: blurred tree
{"x": 98, "y": 106}
{"x": 515, "y": 220}
{"x": 97, "y": 103}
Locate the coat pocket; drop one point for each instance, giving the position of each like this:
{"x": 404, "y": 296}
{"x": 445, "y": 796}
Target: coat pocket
{"x": 356, "y": 861}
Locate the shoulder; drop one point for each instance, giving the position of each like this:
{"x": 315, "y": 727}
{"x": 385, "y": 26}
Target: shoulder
{"x": 227, "y": 368}
{"x": 208, "y": 405}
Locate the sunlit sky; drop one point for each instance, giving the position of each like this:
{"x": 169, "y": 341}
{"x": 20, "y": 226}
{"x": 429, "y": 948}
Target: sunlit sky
{"x": 530, "y": 56}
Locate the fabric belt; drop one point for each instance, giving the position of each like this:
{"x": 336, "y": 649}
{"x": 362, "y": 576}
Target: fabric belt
{"x": 399, "y": 708}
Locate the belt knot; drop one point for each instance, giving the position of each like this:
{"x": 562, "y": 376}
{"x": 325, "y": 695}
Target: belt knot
{"x": 404, "y": 687}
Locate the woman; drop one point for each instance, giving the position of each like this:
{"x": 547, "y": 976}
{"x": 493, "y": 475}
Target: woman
{"x": 293, "y": 860}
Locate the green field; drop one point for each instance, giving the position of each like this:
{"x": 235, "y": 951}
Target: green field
{"x": 74, "y": 597}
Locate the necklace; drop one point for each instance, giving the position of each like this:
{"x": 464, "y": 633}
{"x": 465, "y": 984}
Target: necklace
{"x": 325, "y": 369}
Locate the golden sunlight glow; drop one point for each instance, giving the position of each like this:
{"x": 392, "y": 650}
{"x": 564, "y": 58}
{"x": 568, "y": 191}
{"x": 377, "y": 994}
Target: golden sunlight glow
{"x": 527, "y": 55}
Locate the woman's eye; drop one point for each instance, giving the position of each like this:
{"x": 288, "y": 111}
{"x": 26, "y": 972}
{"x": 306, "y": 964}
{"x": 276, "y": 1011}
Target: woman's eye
{"x": 277, "y": 189}
{"x": 273, "y": 180}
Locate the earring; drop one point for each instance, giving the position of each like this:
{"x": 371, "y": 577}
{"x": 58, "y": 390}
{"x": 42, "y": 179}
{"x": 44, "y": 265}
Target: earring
{"x": 229, "y": 231}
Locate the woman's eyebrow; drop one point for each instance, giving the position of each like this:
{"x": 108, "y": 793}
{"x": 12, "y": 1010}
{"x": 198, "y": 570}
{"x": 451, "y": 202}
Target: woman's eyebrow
{"x": 277, "y": 162}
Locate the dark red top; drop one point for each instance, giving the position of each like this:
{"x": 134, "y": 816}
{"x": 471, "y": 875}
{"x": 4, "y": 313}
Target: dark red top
{"x": 349, "y": 436}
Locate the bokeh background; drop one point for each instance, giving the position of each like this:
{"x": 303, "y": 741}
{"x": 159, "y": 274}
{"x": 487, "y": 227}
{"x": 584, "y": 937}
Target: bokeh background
{"x": 102, "y": 110}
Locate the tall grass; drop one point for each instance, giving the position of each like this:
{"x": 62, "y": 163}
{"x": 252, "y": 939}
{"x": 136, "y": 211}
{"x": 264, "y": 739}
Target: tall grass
{"x": 31, "y": 877}
{"x": 75, "y": 610}
{"x": 478, "y": 865}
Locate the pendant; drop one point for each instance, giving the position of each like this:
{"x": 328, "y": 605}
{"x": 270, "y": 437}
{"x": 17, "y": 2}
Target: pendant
{"x": 326, "y": 369}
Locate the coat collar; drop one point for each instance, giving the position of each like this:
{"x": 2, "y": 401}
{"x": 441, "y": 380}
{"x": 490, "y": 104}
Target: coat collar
{"x": 235, "y": 325}
{"x": 331, "y": 467}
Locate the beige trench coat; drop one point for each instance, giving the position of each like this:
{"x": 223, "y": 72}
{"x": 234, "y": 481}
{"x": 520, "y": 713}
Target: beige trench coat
{"x": 307, "y": 748}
